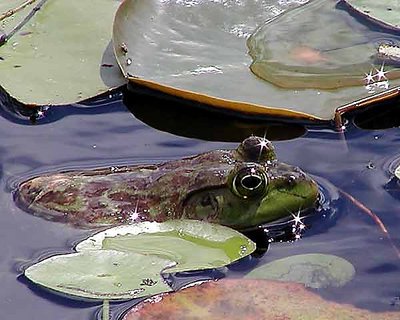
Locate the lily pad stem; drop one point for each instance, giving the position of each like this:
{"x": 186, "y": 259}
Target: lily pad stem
{"x": 11, "y": 12}
{"x": 106, "y": 310}
{"x": 375, "y": 218}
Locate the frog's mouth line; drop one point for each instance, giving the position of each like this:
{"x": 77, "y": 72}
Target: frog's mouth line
{"x": 292, "y": 194}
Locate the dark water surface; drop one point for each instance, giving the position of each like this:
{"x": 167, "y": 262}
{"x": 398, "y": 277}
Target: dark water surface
{"x": 104, "y": 133}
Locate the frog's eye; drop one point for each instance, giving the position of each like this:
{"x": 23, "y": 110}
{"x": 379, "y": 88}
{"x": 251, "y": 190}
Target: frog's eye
{"x": 249, "y": 183}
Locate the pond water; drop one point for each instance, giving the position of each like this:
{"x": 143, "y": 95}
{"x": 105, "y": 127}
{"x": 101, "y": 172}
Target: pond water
{"x": 104, "y": 133}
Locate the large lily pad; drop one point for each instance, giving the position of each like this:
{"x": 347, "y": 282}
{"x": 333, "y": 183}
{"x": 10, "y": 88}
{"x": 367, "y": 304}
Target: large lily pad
{"x": 250, "y": 299}
{"x": 197, "y": 50}
{"x": 313, "y": 270}
{"x": 315, "y": 47}
{"x": 104, "y": 275}
{"x": 384, "y": 12}
{"x": 192, "y": 244}
{"x": 62, "y": 55}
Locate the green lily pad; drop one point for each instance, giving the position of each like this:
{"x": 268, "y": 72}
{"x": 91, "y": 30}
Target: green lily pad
{"x": 313, "y": 270}
{"x": 236, "y": 299}
{"x": 104, "y": 275}
{"x": 384, "y": 12}
{"x": 397, "y": 172}
{"x": 316, "y": 46}
{"x": 62, "y": 55}
{"x": 7, "y": 24}
{"x": 194, "y": 245}
{"x": 197, "y": 50}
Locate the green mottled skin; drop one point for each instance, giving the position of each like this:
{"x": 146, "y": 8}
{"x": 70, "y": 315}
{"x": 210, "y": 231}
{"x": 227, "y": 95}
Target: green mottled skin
{"x": 199, "y": 187}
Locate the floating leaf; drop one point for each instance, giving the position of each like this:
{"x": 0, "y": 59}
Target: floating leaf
{"x": 194, "y": 245}
{"x": 105, "y": 274}
{"x": 250, "y": 299}
{"x": 197, "y": 50}
{"x": 397, "y": 172}
{"x": 330, "y": 53}
{"x": 62, "y": 55}
{"x": 384, "y": 12}
{"x": 313, "y": 270}
{"x": 9, "y": 22}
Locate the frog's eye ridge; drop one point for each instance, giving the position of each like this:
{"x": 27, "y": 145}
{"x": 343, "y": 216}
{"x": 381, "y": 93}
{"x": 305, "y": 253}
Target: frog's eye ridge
{"x": 249, "y": 183}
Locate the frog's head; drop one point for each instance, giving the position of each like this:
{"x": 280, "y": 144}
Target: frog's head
{"x": 255, "y": 189}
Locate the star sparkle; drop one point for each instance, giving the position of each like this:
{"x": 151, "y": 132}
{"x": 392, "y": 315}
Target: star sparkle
{"x": 263, "y": 143}
{"x": 298, "y": 226}
{"x": 376, "y": 79}
{"x": 134, "y": 215}
{"x": 297, "y": 218}
{"x": 369, "y": 77}
{"x": 381, "y": 73}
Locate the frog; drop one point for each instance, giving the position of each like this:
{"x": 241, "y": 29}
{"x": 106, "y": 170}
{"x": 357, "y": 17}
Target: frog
{"x": 240, "y": 188}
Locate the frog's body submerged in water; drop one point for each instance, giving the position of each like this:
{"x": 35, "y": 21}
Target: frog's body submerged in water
{"x": 238, "y": 188}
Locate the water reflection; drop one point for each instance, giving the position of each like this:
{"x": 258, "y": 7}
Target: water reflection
{"x": 19, "y": 113}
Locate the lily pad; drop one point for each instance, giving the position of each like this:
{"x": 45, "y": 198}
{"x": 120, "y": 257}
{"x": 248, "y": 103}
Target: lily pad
{"x": 8, "y": 23}
{"x": 194, "y": 245}
{"x": 62, "y": 55}
{"x": 104, "y": 275}
{"x": 316, "y": 46}
{"x": 397, "y": 172}
{"x": 197, "y": 50}
{"x": 384, "y": 13}
{"x": 250, "y": 299}
{"x": 313, "y": 270}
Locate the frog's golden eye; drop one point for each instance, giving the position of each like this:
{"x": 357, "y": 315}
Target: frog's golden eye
{"x": 249, "y": 182}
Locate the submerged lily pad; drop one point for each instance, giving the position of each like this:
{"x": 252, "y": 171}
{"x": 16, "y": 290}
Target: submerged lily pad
{"x": 397, "y": 172}
{"x": 316, "y": 46}
{"x": 197, "y": 50}
{"x": 62, "y": 55}
{"x": 313, "y": 270}
{"x": 194, "y": 245}
{"x": 384, "y": 12}
{"x": 250, "y": 299}
{"x": 105, "y": 274}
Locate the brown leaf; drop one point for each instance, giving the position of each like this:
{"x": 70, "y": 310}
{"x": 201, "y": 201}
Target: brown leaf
{"x": 244, "y": 299}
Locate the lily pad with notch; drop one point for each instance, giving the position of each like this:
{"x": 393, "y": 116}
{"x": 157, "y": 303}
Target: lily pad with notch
{"x": 194, "y": 245}
{"x": 104, "y": 275}
{"x": 61, "y": 55}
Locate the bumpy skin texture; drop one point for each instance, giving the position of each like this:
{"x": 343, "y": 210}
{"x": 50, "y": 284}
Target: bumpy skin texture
{"x": 238, "y": 188}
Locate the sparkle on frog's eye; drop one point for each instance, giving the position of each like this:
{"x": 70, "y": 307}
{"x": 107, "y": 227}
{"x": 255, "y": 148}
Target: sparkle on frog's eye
{"x": 263, "y": 143}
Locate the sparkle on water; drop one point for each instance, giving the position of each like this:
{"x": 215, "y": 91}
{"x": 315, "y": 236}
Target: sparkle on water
{"x": 376, "y": 79}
